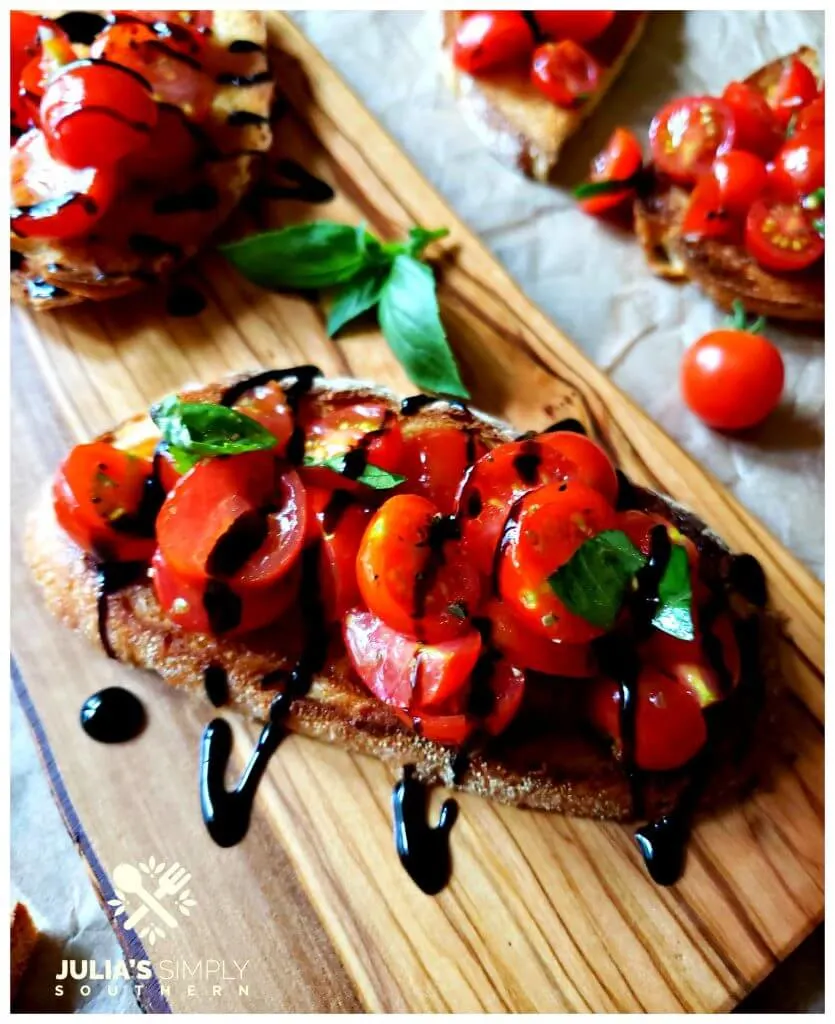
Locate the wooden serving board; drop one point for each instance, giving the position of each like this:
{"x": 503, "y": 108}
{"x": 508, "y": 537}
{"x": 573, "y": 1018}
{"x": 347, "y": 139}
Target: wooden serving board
{"x": 543, "y": 913}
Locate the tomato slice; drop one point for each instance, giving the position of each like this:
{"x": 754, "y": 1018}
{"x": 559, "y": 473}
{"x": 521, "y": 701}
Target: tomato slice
{"x": 796, "y": 87}
{"x": 579, "y": 26}
{"x": 638, "y": 527}
{"x": 343, "y": 427}
{"x": 526, "y": 649}
{"x": 545, "y": 529}
{"x": 592, "y": 466}
{"x": 56, "y": 51}
{"x": 487, "y": 40}
{"x": 706, "y": 216}
{"x": 688, "y": 661}
{"x": 342, "y": 529}
{"x": 97, "y": 495}
{"x": 413, "y": 574}
{"x": 621, "y": 159}
{"x": 25, "y": 47}
{"x": 267, "y": 403}
{"x": 686, "y": 135}
{"x": 222, "y": 609}
{"x": 813, "y": 115}
{"x": 799, "y": 166}
{"x": 741, "y": 177}
{"x": 565, "y": 73}
{"x": 756, "y": 127}
{"x": 780, "y": 236}
{"x": 51, "y": 200}
{"x": 434, "y": 461}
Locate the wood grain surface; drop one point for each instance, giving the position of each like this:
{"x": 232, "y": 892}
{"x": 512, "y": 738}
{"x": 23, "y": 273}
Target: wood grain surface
{"x": 543, "y": 913}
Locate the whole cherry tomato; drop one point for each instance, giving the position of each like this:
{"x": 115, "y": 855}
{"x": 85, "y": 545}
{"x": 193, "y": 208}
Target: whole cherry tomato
{"x": 580, "y": 26}
{"x": 97, "y": 495}
{"x": 51, "y": 200}
{"x": 799, "y": 165}
{"x": 686, "y": 135}
{"x": 488, "y": 40}
{"x": 781, "y": 236}
{"x": 527, "y": 649}
{"x": 732, "y": 379}
{"x": 620, "y": 160}
{"x": 435, "y": 460}
{"x": 796, "y": 87}
{"x": 741, "y": 178}
{"x": 756, "y": 127}
{"x": 565, "y": 73}
{"x": 413, "y": 575}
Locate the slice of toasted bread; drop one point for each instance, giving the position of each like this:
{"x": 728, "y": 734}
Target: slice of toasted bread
{"x": 547, "y": 760}
{"x": 153, "y": 228}
{"x": 725, "y": 271}
{"x": 24, "y": 938}
{"x": 516, "y": 122}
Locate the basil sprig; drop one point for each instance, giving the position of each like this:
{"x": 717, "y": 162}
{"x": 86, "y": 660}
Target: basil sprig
{"x": 198, "y": 430}
{"x": 371, "y": 476}
{"x": 363, "y": 273}
{"x": 594, "y": 581}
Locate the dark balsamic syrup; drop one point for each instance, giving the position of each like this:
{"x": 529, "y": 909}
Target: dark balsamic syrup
{"x": 299, "y": 184}
{"x": 245, "y": 46}
{"x": 184, "y": 301}
{"x": 81, "y": 26}
{"x": 570, "y": 424}
{"x": 415, "y": 403}
{"x": 528, "y": 461}
{"x": 423, "y": 850}
{"x": 153, "y": 247}
{"x": 460, "y": 766}
{"x": 112, "y": 715}
{"x": 17, "y": 259}
{"x": 242, "y": 118}
{"x": 243, "y": 81}
{"x": 216, "y": 683}
{"x": 200, "y": 198}
{"x": 111, "y": 577}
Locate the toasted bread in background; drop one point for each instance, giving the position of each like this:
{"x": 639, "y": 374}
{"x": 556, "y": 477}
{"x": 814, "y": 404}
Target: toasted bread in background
{"x": 517, "y": 123}
{"x": 726, "y": 271}
{"x": 24, "y": 938}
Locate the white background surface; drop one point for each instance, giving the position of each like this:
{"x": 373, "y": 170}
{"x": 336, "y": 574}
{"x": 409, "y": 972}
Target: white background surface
{"x": 593, "y": 282}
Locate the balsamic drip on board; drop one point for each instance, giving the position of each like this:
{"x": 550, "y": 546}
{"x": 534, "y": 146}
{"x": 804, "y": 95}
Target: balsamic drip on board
{"x": 184, "y": 300}
{"x": 111, "y": 577}
{"x": 216, "y": 684}
{"x": 112, "y": 715}
{"x": 423, "y": 850}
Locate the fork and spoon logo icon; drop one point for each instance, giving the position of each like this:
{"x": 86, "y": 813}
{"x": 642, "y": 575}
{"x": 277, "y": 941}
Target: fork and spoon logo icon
{"x": 154, "y": 884}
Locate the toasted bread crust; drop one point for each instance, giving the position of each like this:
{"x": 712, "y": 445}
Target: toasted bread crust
{"x": 110, "y": 262}
{"x": 516, "y": 122}
{"x": 568, "y": 772}
{"x": 727, "y": 273}
{"x": 24, "y": 938}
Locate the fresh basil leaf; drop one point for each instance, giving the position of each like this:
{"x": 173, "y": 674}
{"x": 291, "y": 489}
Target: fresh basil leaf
{"x": 356, "y": 297}
{"x": 592, "y": 583}
{"x": 818, "y": 225}
{"x": 675, "y": 597}
{"x": 411, "y": 323}
{"x": 371, "y": 476}
{"x": 196, "y": 430}
{"x": 321, "y": 254}
{"x": 420, "y": 237}
{"x": 588, "y": 189}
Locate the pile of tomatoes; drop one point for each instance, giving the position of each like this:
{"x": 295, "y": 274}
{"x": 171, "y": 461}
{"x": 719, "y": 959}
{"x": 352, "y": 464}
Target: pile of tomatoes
{"x": 546, "y": 44}
{"x": 439, "y": 585}
{"x": 82, "y": 125}
{"x": 754, "y": 161}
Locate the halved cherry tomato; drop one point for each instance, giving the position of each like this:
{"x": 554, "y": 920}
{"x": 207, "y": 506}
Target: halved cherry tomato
{"x": 222, "y": 609}
{"x": 343, "y": 427}
{"x": 580, "y": 26}
{"x": 93, "y": 115}
{"x": 526, "y": 649}
{"x": 165, "y": 467}
{"x": 565, "y": 73}
{"x": 620, "y": 160}
{"x": 488, "y": 40}
{"x": 545, "y": 529}
{"x": 412, "y": 576}
{"x": 669, "y": 725}
{"x": 268, "y": 404}
{"x": 435, "y": 460}
{"x": 56, "y": 51}
{"x": 799, "y": 165}
{"x": 341, "y": 537}
{"x": 813, "y": 115}
{"x": 97, "y": 494}
{"x": 741, "y": 178}
{"x": 241, "y": 518}
{"x": 688, "y": 661}
{"x": 687, "y": 134}
{"x": 732, "y": 379}
{"x": 25, "y": 47}
{"x": 51, "y": 200}
{"x": 756, "y": 128}
{"x": 638, "y": 527}
{"x": 796, "y": 87}
{"x": 780, "y": 236}
{"x": 706, "y": 215}
{"x": 170, "y": 136}
{"x": 593, "y": 467}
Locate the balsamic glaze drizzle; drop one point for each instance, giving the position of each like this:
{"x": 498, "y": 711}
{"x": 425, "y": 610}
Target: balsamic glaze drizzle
{"x": 243, "y": 81}
{"x": 184, "y": 300}
{"x": 112, "y": 715}
{"x": 216, "y": 683}
{"x": 423, "y": 850}
{"x": 111, "y": 577}
{"x": 81, "y": 26}
{"x": 303, "y": 186}
{"x": 200, "y": 198}
{"x": 414, "y": 403}
{"x": 569, "y": 423}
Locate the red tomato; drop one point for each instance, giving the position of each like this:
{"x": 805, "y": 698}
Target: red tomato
{"x": 51, "y": 200}
{"x": 409, "y": 574}
{"x": 620, "y": 160}
{"x": 780, "y": 236}
{"x": 526, "y": 649}
{"x": 581, "y": 26}
{"x": 56, "y": 51}
{"x": 545, "y": 529}
{"x": 171, "y": 137}
{"x": 799, "y": 165}
{"x": 267, "y": 404}
{"x": 507, "y": 684}
{"x": 226, "y": 509}
{"x": 342, "y": 428}
{"x": 688, "y": 662}
{"x": 93, "y": 115}
{"x": 686, "y": 135}
{"x": 757, "y": 129}
{"x": 164, "y": 466}
{"x": 669, "y": 725}
{"x": 813, "y": 115}
{"x": 565, "y": 73}
{"x": 706, "y": 216}
{"x": 435, "y": 460}
{"x": 25, "y": 47}
{"x": 741, "y": 178}
{"x": 97, "y": 494}
{"x": 222, "y": 609}
{"x": 593, "y": 467}
{"x": 340, "y": 544}
{"x": 638, "y": 527}
{"x": 796, "y": 88}
{"x": 488, "y": 40}
{"x": 732, "y": 379}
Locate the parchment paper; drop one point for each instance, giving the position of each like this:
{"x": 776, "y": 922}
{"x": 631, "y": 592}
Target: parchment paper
{"x": 594, "y": 284}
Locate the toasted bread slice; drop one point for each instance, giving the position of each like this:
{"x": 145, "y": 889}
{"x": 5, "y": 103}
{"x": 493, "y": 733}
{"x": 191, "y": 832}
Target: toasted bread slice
{"x": 516, "y": 122}
{"x": 153, "y": 228}
{"x": 24, "y": 938}
{"x": 725, "y": 271}
{"x": 546, "y": 760}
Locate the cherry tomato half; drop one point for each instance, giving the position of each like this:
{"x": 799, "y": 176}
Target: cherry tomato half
{"x": 688, "y": 661}
{"x": 741, "y": 178}
{"x": 706, "y": 216}
{"x": 435, "y": 460}
{"x": 756, "y": 127}
{"x": 51, "y": 200}
{"x": 686, "y": 135}
{"x": 580, "y": 26}
{"x": 796, "y": 87}
{"x": 97, "y": 494}
{"x": 56, "y": 51}
{"x": 638, "y": 527}
{"x": 526, "y": 649}
{"x": 341, "y": 536}
{"x": 488, "y": 40}
{"x": 25, "y": 47}
{"x": 268, "y": 404}
{"x": 565, "y": 73}
{"x": 813, "y": 115}
{"x": 546, "y": 528}
{"x": 593, "y": 467}
{"x": 412, "y": 576}
{"x": 780, "y": 235}
{"x": 620, "y": 160}
{"x": 732, "y": 379}
{"x": 799, "y": 165}
{"x": 343, "y": 427}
